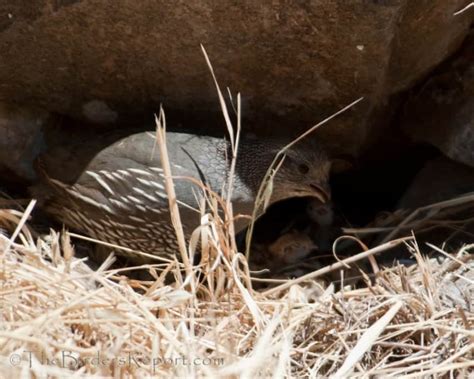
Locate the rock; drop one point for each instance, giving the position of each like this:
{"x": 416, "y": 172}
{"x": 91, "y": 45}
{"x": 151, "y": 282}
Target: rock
{"x": 438, "y": 207}
{"x": 440, "y": 179}
{"x": 442, "y": 111}
{"x": 294, "y": 63}
{"x": 22, "y": 139}
{"x": 99, "y": 112}
{"x": 450, "y": 227}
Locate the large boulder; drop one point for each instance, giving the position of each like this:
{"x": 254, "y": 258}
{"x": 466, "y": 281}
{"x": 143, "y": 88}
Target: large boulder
{"x": 22, "y": 139}
{"x": 441, "y": 111}
{"x": 294, "y": 62}
{"x": 441, "y": 181}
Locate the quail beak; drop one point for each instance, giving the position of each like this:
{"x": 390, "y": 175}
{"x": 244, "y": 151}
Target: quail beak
{"x": 321, "y": 192}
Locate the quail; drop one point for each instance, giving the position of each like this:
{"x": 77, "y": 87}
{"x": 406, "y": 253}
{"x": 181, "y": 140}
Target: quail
{"x": 120, "y": 197}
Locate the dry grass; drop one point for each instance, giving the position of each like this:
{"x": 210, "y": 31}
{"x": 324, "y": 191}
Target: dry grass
{"x": 62, "y": 319}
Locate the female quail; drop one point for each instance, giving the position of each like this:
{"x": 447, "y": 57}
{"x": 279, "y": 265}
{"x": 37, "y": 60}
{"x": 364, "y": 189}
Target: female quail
{"x": 120, "y": 198}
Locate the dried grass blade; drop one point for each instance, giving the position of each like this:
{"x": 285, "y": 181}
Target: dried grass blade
{"x": 367, "y": 340}
{"x": 169, "y": 185}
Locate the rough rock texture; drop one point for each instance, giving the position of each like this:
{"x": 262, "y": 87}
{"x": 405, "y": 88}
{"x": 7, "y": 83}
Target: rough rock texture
{"x": 442, "y": 111}
{"x": 21, "y": 139}
{"x": 294, "y": 63}
{"x": 440, "y": 179}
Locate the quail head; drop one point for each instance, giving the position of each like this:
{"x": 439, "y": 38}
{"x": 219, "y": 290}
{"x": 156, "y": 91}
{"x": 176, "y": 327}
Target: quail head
{"x": 304, "y": 172}
{"x": 120, "y": 197}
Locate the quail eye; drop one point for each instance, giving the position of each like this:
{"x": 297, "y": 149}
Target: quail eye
{"x": 303, "y": 169}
